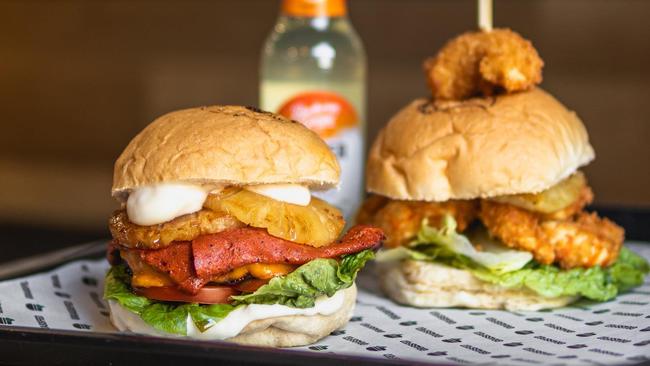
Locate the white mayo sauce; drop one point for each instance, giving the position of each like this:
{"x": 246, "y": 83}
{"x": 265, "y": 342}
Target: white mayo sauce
{"x": 155, "y": 204}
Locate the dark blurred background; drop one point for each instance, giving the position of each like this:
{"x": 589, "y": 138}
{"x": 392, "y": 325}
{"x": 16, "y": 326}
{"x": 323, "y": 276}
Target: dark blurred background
{"x": 80, "y": 78}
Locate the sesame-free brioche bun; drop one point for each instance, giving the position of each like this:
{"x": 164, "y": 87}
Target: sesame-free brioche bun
{"x": 434, "y": 285}
{"x": 281, "y": 331}
{"x": 225, "y": 145}
{"x": 482, "y": 147}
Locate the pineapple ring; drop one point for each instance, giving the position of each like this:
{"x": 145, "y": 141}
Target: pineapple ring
{"x": 317, "y": 224}
{"x": 553, "y": 199}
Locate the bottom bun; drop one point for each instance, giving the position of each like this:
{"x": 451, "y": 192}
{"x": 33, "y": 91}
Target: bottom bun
{"x": 280, "y": 331}
{"x": 432, "y": 285}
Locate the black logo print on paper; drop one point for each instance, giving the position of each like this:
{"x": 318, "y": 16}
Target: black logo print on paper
{"x": 89, "y": 281}
{"x": 26, "y": 290}
{"x": 524, "y": 332}
{"x": 452, "y": 340}
{"x": 500, "y": 356}
{"x": 71, "y": 310}
{"x": 56, "y": 282}
{"x": 81, "y": 326}
{"x": 6, "y": 321}
{"x": 465, "y": 327}
{"x": 62, "y": 294}
{"x": 513, "y": 344}
{"x": 338, "y": 332}
{"x": 40, "y": 320}
{"x": 408, "y": 323}
{"x": 376, "y": 348}
{"x": 437, "y": 353}
{"x": 356, "y": 319}
{"x": 577, "y": 346}
{"x": 317, "y": 348}
{"x": 598, "y": 322}
{"x": 35, "y": 307}
{"x": 393, "y": 335}
{"x": 355, "y": 340}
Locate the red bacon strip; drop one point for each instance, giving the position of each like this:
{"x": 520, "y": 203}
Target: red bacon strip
{"x": 192, "y": 265}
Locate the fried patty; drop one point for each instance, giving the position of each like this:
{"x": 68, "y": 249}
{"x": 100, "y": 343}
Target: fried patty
{"x": 576, "y": 240}
{"x": 401, "y": 220}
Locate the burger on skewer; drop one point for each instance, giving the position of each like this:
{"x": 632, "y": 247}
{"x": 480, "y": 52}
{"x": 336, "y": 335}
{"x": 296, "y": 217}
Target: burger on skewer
{"x": 479, "y": 191}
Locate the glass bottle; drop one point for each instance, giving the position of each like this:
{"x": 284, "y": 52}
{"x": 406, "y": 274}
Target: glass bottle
{"x": 313, "y": 70}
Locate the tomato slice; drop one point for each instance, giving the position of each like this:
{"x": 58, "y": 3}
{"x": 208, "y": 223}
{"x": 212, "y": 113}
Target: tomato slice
{"x": 206, "y": 295}
{"x": 250, "y": 285}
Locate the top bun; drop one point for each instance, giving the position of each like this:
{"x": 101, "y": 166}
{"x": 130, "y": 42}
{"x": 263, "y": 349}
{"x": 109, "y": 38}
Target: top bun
{"x": 229, "y": 145}
{"x": 482, "y": 147}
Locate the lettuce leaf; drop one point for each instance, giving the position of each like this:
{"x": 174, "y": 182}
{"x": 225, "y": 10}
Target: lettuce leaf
{"x": 446, "y": 245}
{"x": 167, "y": 317}
{"x": 299, "y": 289}
{"x": 595, "y": 283}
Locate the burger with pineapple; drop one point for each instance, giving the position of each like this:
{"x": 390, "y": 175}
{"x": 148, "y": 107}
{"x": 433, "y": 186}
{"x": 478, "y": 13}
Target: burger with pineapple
{"x": 219, "y": 237}
{"x": 480, "y": 193}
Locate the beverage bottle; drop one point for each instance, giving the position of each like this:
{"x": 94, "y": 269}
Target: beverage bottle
{"x": 313, "y": 70}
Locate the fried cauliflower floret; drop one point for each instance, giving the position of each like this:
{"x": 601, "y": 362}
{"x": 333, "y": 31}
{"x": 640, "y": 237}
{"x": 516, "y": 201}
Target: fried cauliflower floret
{"x": 401, "y": 220}
{"x": 186, "y": 227}
{"x": 579, "y": 240}
{"x": 483, "y": 62}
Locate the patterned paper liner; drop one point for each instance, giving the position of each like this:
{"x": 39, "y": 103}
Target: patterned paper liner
{"x": 614, "y": 332}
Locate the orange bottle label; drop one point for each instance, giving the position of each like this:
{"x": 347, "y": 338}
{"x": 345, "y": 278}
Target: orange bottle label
{"x": 325, "y": 113}
{"x": 314, "y": 8}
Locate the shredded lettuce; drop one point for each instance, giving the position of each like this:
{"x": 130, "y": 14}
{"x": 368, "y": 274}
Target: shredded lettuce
{"x": 448, "y": 246}
{"x": 298, "y": 289}
{"x": 511, "y": 270}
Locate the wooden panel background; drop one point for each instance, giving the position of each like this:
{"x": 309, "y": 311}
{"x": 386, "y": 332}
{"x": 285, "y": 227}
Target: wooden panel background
{"x": 79, "y": 78}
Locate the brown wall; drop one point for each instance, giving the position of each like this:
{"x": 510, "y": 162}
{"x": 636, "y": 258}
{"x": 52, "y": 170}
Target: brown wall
{"x": 78, "y": 79}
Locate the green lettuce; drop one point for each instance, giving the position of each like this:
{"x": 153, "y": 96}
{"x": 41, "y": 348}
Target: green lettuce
{"x": 595, "y": 283}
{"x": 298, "y": 289}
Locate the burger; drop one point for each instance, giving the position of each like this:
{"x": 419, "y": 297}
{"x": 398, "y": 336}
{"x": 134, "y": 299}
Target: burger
{"x": 481, "y": 197}
{"x": 219, "y": 238}
{"x": 483, "y": 205}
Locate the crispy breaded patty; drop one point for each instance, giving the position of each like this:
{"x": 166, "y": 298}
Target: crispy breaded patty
{"x": 186, "y": 227}
{"x": 401, "y": 220}
{"x": 483, "y": 63}
{"x": 577, "y": 240}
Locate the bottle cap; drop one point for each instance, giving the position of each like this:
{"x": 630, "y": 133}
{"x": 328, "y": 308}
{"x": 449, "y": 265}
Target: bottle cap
{"x": 314, "y": 8}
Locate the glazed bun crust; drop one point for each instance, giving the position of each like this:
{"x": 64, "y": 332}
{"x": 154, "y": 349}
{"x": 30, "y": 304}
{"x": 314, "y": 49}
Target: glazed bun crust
{"x": 482, "y": 147}
{"x": 282, "y": 331}
{"x": 432, "y": 285}
{"x": 225, "y": 145}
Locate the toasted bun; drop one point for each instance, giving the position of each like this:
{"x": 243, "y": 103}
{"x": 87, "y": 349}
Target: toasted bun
{"x": 283, "y": 331}
{"x": 432, "y": 285}
{"x": 229, "y": 145}
{"x": 482, "y": 147}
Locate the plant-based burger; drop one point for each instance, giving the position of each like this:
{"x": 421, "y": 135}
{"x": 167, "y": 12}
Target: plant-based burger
{"x": 218, "y": 236}
{"x": 481, "y": 198}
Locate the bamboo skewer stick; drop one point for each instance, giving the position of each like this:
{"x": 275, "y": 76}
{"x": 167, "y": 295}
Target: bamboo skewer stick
{"x": 485, "y": 15}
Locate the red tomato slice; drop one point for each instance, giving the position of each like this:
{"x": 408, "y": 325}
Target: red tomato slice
{"x": 250, "y": 285}
{"x": 206, "y": 295}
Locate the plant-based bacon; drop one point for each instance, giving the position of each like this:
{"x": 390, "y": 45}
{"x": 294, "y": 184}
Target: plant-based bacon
{"x": 193, "y": 264}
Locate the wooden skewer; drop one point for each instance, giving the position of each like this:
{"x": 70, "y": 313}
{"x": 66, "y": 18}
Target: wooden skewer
{"x": 485, "y": 15}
